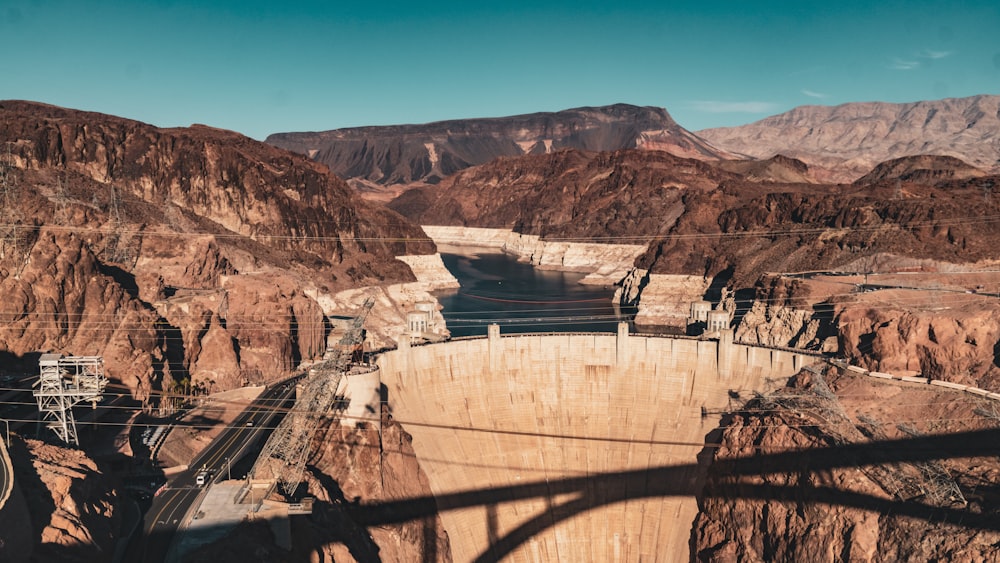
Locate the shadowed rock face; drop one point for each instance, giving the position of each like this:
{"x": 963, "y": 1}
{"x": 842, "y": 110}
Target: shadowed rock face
{"x": 570, "y": 193}
{"x": 846, "y": 141}
{"x": 177, "y": 253}
{"x": 403, "y": 154}
{"x": 73, "y": 512}
{"x": 350, "y": 466}
{"x": 799, "y": 513}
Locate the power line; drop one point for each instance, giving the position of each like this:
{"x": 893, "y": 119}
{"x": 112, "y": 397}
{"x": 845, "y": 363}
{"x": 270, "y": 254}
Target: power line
{"x": 765, "y": 233}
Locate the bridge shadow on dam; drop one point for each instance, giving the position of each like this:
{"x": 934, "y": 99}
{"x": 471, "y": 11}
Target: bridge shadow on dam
{"x": 348, "y": 521}
{"x": 597, "y": 490}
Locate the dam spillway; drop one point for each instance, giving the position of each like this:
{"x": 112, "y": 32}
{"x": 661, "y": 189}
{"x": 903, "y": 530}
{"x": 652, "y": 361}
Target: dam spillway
{"x": 553, "y": 447}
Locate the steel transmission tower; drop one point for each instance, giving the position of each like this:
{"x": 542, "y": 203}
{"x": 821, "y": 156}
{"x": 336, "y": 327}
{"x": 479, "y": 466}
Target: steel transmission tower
{"x": 283, "y": 458}
{"x": 63, "y": 383}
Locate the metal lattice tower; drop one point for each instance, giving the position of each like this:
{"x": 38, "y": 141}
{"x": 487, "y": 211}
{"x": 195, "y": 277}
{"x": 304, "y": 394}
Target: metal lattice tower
{"x": 64, "y": 382}
{"x": 282, "y": 461}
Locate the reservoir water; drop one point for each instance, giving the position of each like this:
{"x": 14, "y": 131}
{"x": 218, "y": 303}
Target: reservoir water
{"x": 496, "y": 288}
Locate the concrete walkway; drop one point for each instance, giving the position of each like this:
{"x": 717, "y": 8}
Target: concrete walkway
{"x": 218, "y": 514}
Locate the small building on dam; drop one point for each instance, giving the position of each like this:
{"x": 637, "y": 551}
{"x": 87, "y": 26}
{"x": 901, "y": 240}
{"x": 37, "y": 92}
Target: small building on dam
{"x": 570, "y": 447}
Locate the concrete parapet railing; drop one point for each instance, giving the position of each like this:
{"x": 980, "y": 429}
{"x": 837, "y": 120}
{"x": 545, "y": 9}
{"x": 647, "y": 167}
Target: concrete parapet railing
{"x": 154, "y": 448}
{"x": 7, "y": 473}
{"x": 949, "y": 385}
{"x": 917, "y": 379}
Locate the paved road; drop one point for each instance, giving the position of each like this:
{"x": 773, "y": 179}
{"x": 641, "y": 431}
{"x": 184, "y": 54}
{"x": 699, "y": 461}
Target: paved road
{"x": 175, "y": 499}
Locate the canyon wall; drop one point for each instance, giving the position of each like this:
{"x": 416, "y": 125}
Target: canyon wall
{"x": 63, "y": 507}
{"x": 779, "y": 506}
{"x": 189, "y": 258}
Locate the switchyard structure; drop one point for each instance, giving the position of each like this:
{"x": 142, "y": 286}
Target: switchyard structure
{"x": 282, "y": 460}
{"x": 64, "y": 382}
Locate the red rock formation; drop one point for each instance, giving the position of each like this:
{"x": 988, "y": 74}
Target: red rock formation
{"x": 61, "y": 300}
{"x": 374, "y": 157}
{"x": 114, "y": 227}
{"x": 959, "y": 343}
{"x": 801, "y": 518}
{"x": 75, "y": 513}
{"x": 922, "y": 169}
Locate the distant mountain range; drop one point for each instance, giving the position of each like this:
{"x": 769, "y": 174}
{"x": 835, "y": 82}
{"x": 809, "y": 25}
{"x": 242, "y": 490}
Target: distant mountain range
{"x": 372, "y": 158}
{"x": 839, "y": 143}
{"x": 842, "y": 143}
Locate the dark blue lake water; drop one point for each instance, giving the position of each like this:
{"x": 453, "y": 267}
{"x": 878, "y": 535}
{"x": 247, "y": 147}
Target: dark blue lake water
{"x": 496, "y": 288}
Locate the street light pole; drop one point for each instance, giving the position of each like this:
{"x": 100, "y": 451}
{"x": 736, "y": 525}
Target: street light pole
{"x": 229, "y": 470}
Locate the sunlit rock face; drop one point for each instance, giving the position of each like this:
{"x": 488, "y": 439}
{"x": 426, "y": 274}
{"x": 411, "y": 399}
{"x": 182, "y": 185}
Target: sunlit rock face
{"x": 189, "y": 256}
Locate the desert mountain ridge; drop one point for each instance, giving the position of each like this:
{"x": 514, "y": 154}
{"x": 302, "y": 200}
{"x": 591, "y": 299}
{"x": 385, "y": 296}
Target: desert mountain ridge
{"x": 847, "y": 141}
{"x": 208, "y": 249}
{"x": 372, "y": 158}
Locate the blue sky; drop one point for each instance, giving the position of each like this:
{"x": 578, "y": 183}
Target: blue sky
{"x": 265, "y": 67}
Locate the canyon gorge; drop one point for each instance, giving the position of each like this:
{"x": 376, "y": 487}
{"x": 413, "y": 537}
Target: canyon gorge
{"x": 198, "y": 258}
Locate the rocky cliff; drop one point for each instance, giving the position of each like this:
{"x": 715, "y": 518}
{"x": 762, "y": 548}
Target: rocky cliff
{"x": 73, "y": 512}
{"x": 178, "y": 254}
{"x": 718, "y": 225}
{"x": 374, "y": 157}
{"x": 805, "y": 508}
{"x": 921, "y": 169}
{"x": 846, "y": 141}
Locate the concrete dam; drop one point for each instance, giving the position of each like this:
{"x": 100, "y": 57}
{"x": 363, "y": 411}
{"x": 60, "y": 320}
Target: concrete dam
{"x": 570, "y": 447}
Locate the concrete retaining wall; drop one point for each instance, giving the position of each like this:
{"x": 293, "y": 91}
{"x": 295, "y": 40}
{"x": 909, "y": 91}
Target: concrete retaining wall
{"x": 919, "y": 379}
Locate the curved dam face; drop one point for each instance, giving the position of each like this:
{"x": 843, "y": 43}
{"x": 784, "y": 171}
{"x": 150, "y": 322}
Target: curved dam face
{"x": 569, "y": 447}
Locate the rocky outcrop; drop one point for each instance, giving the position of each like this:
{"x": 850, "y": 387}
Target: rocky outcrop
{"x": 786, "y": 312}
{"x": 430, "y": 271}
{"x": 922, "y": 169}
{"x": 778, "y": 169}
{"x": 404, "y": 154}
{"x": 662, "y": 301}
{"x": 605, "y": 197}
{"x": 74, "y": 510}
{"x": 180, "y": 255}
{"x": 846, "y": 141}
{"x": 959, "y": 343}
{"x": 802, "y": 510}
{"x": 248, "y": 188}
{"x": 367, "y": 468}
{"x": 63, "y": 299}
